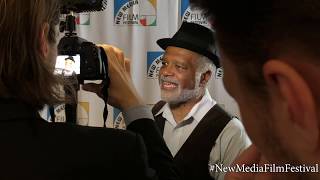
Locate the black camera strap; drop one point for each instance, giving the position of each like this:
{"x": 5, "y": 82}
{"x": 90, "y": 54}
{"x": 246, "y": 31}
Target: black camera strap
{"x": 105, "y": 98}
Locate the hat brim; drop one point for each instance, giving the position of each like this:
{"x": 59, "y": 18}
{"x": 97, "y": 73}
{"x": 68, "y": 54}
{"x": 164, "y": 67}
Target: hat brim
{"x": 165, "y": 42}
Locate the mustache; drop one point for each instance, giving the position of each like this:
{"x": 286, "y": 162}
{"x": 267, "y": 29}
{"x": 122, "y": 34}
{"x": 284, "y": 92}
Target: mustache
{"x": 166, "y": 79}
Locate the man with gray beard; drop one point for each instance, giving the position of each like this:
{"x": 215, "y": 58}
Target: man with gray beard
{"x": 197, "y": 131}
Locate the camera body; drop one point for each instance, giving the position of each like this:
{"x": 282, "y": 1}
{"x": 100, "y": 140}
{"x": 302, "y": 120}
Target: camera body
{"x": 93, "y": 60}
{"x": 79, "y": 59}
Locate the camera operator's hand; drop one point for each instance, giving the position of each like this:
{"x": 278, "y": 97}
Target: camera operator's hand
{"x": 122, "y": 93}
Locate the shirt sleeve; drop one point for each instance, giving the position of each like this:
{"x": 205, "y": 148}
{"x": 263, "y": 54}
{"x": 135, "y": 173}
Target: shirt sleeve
{"x": 229, "y": 144}
{"x": 135, "y": 113}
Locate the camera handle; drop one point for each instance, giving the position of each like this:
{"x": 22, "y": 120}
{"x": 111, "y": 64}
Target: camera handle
{"x": 69, "y": 25}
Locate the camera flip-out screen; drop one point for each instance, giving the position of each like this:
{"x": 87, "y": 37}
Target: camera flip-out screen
{"x": 67, "y": 65}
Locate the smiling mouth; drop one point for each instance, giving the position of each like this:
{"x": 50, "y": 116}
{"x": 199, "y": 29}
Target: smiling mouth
{"x": 168, "y": 85}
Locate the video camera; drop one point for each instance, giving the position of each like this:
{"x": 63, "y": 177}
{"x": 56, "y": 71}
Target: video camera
{"x": 90, "y": 61}
{"x": 77, "y": 56}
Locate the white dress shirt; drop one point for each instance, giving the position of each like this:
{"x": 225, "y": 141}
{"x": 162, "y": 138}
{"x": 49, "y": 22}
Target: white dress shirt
{"x": 231, "y": 141}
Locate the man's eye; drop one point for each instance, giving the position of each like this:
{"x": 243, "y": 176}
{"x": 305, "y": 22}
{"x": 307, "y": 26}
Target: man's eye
{"x": 164, "y": 63}
{"x": 180, "y": 66}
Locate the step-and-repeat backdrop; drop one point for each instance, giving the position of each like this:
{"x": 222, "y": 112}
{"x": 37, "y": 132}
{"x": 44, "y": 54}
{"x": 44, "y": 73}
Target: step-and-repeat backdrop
{"x": 135, "y": 26}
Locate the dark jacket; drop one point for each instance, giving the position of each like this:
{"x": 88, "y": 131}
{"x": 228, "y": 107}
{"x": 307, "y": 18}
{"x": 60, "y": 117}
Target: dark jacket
{"x": 31, "y": 148}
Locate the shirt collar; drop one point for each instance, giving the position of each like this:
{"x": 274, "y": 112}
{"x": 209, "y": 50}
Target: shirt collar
{"x": 197, "y": 112}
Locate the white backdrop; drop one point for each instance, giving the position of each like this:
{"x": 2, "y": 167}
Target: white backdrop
{"x": 135, "y": 26}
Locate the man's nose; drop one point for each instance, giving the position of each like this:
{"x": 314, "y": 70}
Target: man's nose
{"x": 167, "y": 70}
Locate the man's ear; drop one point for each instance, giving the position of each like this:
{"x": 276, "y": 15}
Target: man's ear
{"x": 293, "y": 106}
{"x": 205, "y": 77}
{"x": 44, "y": 44}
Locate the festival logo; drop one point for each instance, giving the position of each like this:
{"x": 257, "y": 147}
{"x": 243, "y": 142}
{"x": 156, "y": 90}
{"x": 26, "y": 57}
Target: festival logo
{"x": 60, "y": 113}
{"x": 192, "y": 15}
{"x": 45, "y": 113}
{"x": 154, "y": 64}
{"x": 83, "y": 19}
{"x": 135, "y": 12}
{"x": 83, "y": 109}
{"x": 118, "y": 120}
{"x": 219, "y": 73}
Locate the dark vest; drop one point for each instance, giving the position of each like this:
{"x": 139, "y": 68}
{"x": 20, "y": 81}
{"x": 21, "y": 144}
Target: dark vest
{"x": 193, "y": 157}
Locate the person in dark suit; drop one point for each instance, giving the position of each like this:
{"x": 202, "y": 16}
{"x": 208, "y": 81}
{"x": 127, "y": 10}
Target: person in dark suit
{"x": 34, "y": 149}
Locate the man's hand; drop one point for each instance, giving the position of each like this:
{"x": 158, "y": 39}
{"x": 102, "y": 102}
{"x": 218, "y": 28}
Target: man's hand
{"x": 122, "y": 93}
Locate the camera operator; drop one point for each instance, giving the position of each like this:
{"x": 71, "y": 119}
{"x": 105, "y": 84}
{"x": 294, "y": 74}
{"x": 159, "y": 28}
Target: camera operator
{"x": 31, "y": 148}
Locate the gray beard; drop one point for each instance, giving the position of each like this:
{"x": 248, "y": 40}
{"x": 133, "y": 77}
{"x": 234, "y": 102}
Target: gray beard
{"x": 182, "y": 95}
